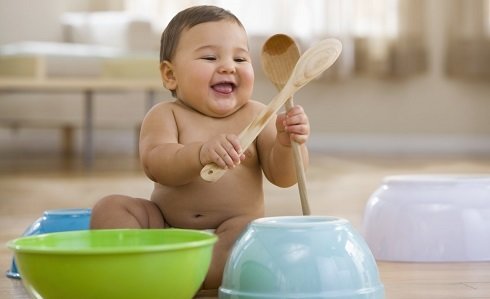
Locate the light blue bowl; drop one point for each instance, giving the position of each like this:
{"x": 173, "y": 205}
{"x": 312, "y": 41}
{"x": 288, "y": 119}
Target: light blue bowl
{"x": 309, "y": 257}
{"x": 55, "y": 221}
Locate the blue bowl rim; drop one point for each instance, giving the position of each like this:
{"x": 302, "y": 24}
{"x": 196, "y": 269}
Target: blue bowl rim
{"x": 377, "y": 290}
{"x": 312, "y": 221}
{"x": 71, "y": 212}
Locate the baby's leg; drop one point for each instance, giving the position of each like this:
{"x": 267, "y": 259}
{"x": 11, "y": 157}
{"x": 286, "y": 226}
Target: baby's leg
{"x": 120, "y": 211}
{"x": 227, "y": 234}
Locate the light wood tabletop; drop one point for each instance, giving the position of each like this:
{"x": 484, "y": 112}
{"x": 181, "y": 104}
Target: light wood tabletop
{"x": 77, "y": 84}
{"x": 338, "y": 186}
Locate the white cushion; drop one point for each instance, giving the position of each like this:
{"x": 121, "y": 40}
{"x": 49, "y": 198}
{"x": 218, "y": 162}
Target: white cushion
{"x": 114, "y": 29}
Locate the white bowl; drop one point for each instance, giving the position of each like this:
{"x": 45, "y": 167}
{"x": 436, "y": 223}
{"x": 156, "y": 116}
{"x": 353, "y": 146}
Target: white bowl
{"x": 430, "y": 218}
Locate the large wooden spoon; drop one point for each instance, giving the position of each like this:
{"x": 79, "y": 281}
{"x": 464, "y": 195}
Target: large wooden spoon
{"x": 311, "y": 64}
{"x": 280, "y": 54}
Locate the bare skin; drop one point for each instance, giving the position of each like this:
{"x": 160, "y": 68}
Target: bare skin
{"x": 201, "y": 126}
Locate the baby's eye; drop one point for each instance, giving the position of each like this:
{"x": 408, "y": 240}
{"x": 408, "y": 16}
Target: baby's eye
{"x": 210, "y": 58}
{"x": 240, "y": 59}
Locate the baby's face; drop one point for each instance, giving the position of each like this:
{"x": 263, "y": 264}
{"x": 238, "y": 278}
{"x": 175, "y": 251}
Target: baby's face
{"x": 212, "y": 68}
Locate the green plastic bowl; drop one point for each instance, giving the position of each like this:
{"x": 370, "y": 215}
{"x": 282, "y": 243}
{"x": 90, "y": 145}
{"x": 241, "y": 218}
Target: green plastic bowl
{"x": 120, "y": 263}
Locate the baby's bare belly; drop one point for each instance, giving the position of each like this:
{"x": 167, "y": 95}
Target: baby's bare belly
{"x": 204, "y": 205}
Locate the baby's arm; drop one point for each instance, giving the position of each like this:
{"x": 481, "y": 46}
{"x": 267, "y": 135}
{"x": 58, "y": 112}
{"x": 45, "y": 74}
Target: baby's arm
{"x": 275, "y": 147}
{"x": 171, "y": 163}
{"x": 164, "y": 160}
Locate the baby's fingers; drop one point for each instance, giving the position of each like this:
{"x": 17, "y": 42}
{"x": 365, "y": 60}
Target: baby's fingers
{"x": 297, "y": 119}
{"x": 298, "y": 138}
{"x": 295, "y": 116}
{"x": 295, "y": 111}
{"x": 234, "y": 144}
{"x": 230, "y": 153}
{"x": 299, "y": 133}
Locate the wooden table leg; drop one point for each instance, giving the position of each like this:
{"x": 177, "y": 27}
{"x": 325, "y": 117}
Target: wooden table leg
{"x": 88, "y": 127}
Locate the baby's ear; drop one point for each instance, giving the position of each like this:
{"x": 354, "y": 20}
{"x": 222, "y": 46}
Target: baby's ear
{"x": 167, "y": 74}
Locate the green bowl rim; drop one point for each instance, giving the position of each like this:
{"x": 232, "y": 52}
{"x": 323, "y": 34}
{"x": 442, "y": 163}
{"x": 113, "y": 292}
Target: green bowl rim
{"x": 114, "y": 250}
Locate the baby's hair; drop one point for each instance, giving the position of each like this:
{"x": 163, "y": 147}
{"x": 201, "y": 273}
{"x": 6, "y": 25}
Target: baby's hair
{"x": 186, "y": 19}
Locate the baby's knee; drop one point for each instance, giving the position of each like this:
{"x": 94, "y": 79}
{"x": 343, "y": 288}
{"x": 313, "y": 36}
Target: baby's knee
{"x": 109, "y": 203}
{"x": 107, "y": 208}
{"x": 120, "y": 211}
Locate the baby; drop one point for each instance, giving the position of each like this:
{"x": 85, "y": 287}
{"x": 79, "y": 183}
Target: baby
{"x": 206, "y": 64}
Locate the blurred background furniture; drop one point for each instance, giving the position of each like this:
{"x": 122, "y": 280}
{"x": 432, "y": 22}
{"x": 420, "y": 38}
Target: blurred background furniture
{"x": 387, "y": 95}
{"x": 109, "y": 53}
{"x": 88, "y": 87}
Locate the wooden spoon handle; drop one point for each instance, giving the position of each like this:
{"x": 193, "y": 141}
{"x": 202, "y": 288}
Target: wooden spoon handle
{"x": 300, "y": 169}
{"x": 311, "y": 64}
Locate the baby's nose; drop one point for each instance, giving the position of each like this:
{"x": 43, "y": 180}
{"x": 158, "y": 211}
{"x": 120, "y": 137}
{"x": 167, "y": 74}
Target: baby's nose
{"x": 227, "y": 66}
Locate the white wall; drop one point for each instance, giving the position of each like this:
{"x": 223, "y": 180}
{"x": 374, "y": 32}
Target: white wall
{"x": 30, "y": 20}
{"x": 421, "y": 114}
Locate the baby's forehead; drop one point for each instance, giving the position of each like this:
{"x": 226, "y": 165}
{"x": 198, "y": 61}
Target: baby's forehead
{"x": 219, "y": 31}
{"x": 225, "y": 22}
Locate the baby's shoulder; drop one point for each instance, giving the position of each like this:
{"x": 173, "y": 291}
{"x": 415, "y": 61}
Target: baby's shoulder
{"x": 160, "y": 111}
{"x": 254, "y": 105}
{"x": 163, "y": 107}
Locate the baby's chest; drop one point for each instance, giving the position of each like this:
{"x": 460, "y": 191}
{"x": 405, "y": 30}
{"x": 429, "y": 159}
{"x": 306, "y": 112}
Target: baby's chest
{"x": 192, "y": 128}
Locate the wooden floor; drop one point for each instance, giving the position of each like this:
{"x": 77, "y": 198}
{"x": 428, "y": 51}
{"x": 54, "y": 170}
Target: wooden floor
{"x": 337, "y": 185}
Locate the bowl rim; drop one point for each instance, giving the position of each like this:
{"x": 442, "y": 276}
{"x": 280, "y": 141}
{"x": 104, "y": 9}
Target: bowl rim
{"x": 22, "y": 248}
{"x": 307, "y": 221}
{"x": 437, "y": 179}
{"x": 70, "y": 212}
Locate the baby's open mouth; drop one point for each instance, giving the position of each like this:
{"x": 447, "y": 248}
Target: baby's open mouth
{"x": 224, "y": 87}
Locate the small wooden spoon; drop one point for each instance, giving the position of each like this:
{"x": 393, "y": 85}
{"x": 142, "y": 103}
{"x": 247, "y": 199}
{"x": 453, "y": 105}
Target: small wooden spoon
{"x": 311, "y": 64}
{"x": 280, "y": 54}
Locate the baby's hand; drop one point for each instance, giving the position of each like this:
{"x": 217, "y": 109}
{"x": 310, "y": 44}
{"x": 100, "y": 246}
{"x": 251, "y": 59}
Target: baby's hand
{"x": 293, "y": 125}
{"x": 224, "y": 150}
